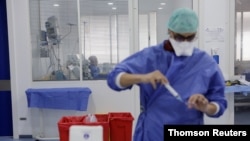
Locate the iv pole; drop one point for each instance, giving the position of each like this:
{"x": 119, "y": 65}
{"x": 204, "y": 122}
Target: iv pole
{"x": 84, "y": 24}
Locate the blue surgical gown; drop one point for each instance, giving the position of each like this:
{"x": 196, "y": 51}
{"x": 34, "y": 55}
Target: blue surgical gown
{"x": 198, "y": 73}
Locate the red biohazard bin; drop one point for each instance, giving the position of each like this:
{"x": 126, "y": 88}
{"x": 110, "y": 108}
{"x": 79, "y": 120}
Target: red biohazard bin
{"x": 65, "y": 122}
{"x": 120, "y": 126}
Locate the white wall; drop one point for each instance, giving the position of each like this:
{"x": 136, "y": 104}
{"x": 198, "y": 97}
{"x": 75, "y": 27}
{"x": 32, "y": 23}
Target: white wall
{"x": 213, "y": 13}
{"x": 102, "y": 99}
{"x": 216, "y": 14}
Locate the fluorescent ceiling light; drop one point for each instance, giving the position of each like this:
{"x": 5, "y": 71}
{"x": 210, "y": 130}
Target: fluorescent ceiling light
{"x": 114, "y": 8}
{"x": 110, "y": 3}
{"x": 160, "y": 8}
{"x": 163, "y": 3}
{"x": 56, "y": 5}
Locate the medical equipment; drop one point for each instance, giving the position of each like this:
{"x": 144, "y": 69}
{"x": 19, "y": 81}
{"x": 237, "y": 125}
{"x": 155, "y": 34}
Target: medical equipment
{"x": 52, "y": 28}
{"x": 173, "y": 92}
{"x": 43, "y": 38}
{"x": 54, "y": 50}
{"x": 73, "y": 63}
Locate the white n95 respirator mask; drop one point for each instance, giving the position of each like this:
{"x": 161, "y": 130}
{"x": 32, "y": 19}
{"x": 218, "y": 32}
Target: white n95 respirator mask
{"x": 184, "y": 48}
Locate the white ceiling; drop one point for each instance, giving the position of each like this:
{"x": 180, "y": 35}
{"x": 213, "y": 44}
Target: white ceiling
{"x": 101, "y": 7}
{"x": 67, "y": 11}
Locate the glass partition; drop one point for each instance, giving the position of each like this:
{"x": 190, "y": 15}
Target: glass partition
{"x": 153, "y": 16}
{"x": 75, "y": 40}
{"x": 242, "y": 58}
{"x": 104, "y": 36}
{"x": 55, "y": 40}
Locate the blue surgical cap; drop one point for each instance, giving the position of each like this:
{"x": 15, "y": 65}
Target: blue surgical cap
{"x": 183, "y": 20}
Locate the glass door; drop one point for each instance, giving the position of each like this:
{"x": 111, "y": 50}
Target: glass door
{"x": 242, "y": 58}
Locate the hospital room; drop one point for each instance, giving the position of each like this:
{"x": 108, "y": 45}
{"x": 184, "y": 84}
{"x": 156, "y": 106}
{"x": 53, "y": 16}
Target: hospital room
{"x": 123, "y": 70}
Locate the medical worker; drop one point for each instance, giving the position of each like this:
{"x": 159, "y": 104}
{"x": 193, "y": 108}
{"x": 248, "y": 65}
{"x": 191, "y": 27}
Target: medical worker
{"x": 193, "y": 73}
{"x": 94, "y": 69}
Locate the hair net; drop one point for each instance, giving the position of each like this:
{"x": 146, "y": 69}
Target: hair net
{"x": 183, "y": 20}
{"x": 93, "y": 60}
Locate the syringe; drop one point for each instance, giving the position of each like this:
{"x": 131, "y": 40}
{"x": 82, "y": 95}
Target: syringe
{"x": 173, "y": 92}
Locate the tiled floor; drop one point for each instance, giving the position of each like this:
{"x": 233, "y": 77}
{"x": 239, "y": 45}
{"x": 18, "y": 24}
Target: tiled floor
{"x": 11, "y": 139}
{"x": 24, "y": 139}
{"x": 241, "y": 117}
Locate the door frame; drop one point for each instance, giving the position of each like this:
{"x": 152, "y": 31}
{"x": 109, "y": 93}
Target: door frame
{"x": 12, "y": 43}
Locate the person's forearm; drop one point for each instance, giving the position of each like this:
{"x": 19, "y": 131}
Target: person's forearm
{"x": 130, "y": 79}
{"x": 210, "y": 109}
